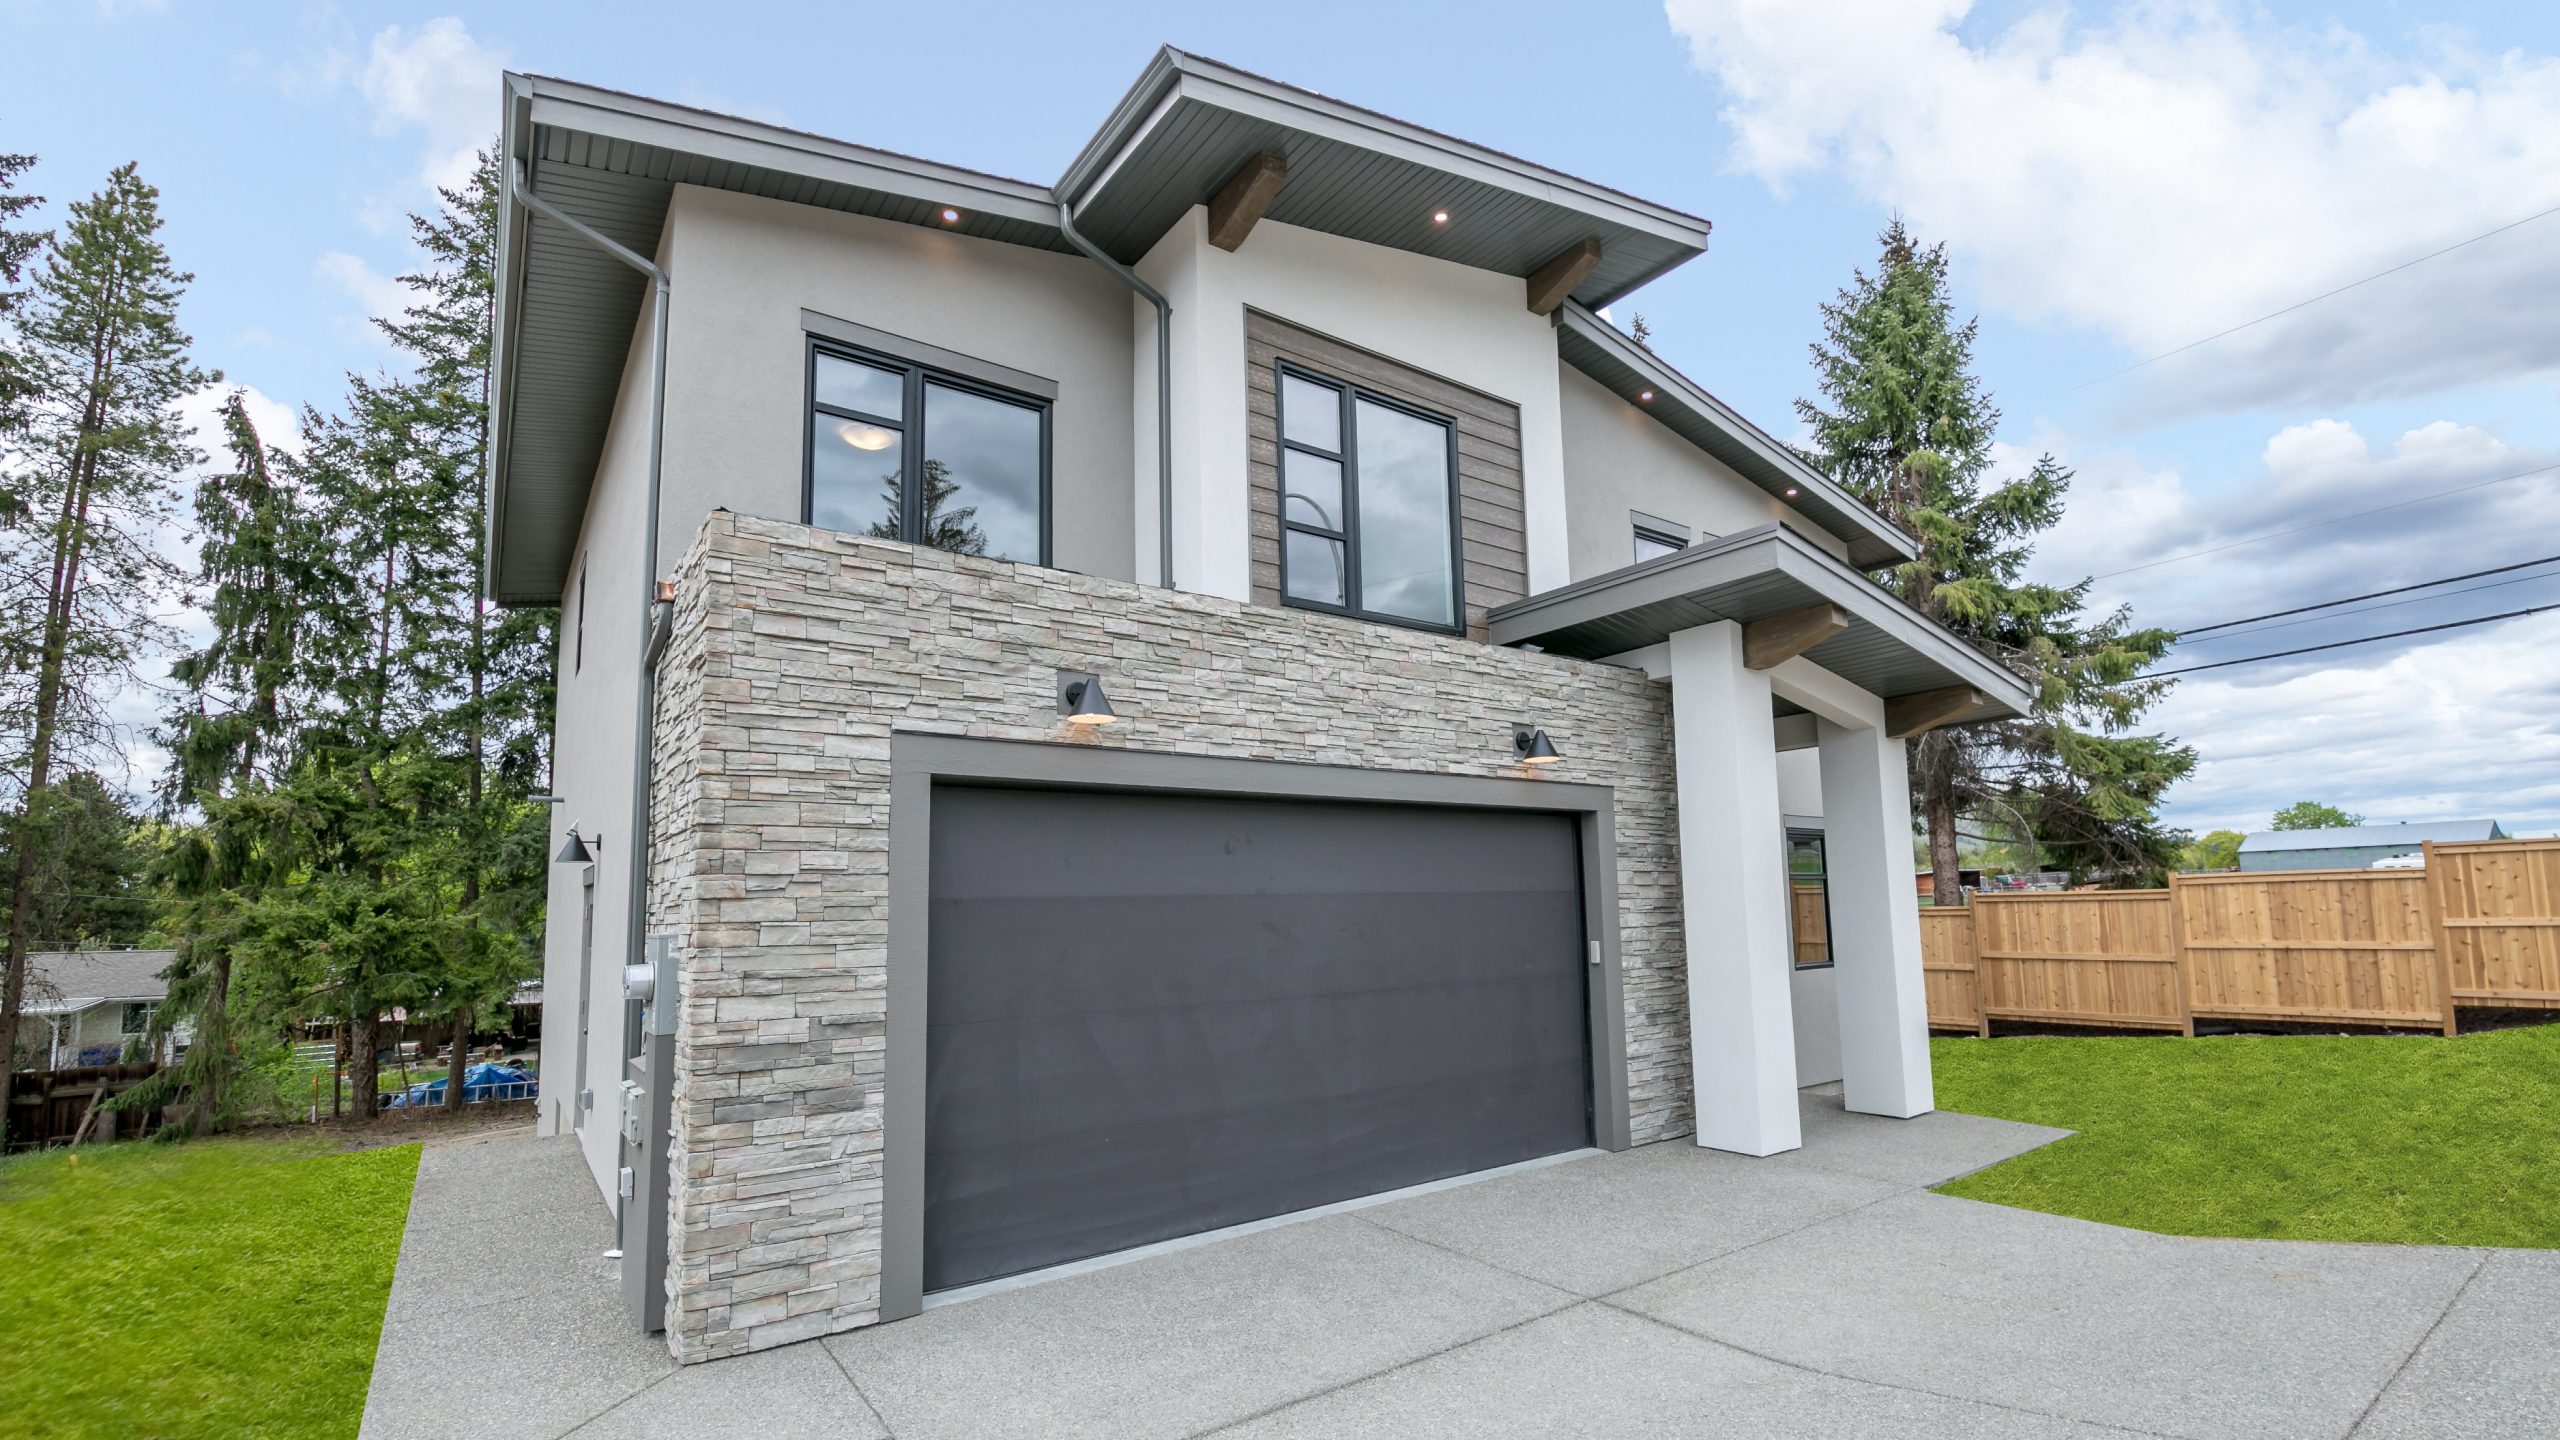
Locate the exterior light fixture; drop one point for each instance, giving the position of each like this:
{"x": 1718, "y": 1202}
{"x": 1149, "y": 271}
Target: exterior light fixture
{"x": 1085, "y": 704}
{"x": 576, "y": 852}
{"x": 865, "y": 437}
{"x": 1439, "y": 217}
{"x": 950, "y": 216}
{"x": 1791, "y": 492}
{"x": 1645, "y": 395}
{"x": 1532, "y": 747}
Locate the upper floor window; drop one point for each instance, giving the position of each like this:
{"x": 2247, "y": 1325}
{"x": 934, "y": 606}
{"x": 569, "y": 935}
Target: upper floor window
{"x": 1653, "y": 543}
{"x": 903, "y": 452}
{"x": 1368, "y": 504}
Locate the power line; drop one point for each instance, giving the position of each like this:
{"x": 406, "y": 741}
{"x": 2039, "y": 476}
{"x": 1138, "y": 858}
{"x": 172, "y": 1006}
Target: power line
{"x": 2392, "y": 605}
{"x": 2361, "y": 640}
{"x": 2314, "y": 300}
{"x": 2332, "y": 520}
{"x": 2368, "y": 595}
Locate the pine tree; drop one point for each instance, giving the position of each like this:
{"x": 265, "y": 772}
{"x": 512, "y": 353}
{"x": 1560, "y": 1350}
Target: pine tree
{"x": 106, "y": 365}
{"x": 1909, "y": 429}
{"x": 17, "y": 247}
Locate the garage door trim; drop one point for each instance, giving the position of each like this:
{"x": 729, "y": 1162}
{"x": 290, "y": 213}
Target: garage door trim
{"x": 918, "y": 762}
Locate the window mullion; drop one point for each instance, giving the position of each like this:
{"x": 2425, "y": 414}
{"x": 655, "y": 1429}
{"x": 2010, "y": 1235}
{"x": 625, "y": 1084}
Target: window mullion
{"x": 911, "y": 464}
{"x": 1350, "y": 501}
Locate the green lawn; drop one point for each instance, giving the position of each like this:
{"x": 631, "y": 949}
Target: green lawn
{"x": 2403, "y": 1140}
{"x": 215, "y": 1288}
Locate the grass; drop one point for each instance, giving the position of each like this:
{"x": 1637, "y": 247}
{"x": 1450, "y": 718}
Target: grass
{"x": 2399, "y": 1140}
{"x": 227, "y": 1287}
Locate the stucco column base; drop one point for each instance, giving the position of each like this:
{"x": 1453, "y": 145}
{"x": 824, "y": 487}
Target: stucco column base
{"x": 1733, "y": 896}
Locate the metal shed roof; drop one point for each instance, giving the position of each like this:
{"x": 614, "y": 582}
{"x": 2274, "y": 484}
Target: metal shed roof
{"x": 2352, "y": 837}
{"x": 567, "y": 314}
{"x": 1889, "y": 650}
{"x": 1610, "y": 356}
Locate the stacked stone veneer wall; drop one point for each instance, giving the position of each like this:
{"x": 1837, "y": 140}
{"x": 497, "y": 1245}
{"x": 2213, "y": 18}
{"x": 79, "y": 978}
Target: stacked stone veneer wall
{"x": 797, "y": 654}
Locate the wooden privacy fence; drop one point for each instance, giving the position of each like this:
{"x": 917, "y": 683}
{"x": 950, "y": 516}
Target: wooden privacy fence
{"x": 2480, "y": 926}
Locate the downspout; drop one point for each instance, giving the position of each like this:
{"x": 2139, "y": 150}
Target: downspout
{"x": 654, "y": 619}
{"x": 1164, "y": 386}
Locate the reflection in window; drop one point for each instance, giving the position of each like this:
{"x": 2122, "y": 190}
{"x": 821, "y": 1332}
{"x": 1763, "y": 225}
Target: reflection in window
{"x": 1368, "y": 504}
{"x": 1653, "y": 544}
{"x": 1808, "y": 898}
{"x": 903, "y": 453}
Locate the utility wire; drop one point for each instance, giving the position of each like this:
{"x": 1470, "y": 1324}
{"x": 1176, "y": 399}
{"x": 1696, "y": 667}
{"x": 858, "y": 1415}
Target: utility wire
{"x": 2389, "y": 605}
{"x": 2368, "y": 595}
{"x": 2314, "y": 300}
{"x": 2332, "y": 520}
{"x": 2360, "y": 640}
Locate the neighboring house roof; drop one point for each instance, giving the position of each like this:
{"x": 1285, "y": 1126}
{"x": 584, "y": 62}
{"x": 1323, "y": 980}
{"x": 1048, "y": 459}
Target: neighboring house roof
{"x": 2356, "y": 837}
{"x": 1613, "y": 358}
{"x": 566, "y": 312}
{"x": 62, "y": 981}
{"x": 1888, "y": 649}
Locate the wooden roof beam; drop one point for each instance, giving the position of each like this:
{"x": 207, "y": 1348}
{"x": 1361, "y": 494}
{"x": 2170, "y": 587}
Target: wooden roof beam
{"x": 1553, "y": 281}
{"x": 1909, "y": 715}
{"x": 1248, "y": 193}
{"x": 1778, "y": 639}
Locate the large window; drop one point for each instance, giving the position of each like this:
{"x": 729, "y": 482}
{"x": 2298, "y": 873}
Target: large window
{"x": 1368, "y": 504}
{"x": 902, "y": 452}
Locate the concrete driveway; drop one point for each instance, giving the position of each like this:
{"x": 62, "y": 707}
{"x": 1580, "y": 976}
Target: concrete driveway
{"x": 1665, "y": 1291}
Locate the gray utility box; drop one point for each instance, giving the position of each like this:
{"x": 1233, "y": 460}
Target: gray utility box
{"x": 648, "y": 1098}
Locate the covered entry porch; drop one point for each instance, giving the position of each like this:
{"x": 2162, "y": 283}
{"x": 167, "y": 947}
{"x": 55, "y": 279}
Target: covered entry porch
{"x": 1770, "y": 643}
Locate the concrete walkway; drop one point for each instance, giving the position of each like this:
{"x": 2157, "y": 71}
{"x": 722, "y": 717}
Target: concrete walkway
{"x": 1665, "y": 1291}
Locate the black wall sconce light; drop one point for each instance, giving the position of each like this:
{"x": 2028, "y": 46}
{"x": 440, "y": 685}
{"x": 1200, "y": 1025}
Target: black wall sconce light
{"x": 1532, "y": 747}
{"x": 575, "y": 852}
{"x": 1082, "y": 703}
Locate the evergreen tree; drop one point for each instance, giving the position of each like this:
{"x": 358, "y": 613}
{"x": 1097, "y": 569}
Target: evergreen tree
{"x": 1908, "y": 428}
{"x": 17, "y": 247}
{"x": 105, "y": 366}
{"x": 89, "y": 883}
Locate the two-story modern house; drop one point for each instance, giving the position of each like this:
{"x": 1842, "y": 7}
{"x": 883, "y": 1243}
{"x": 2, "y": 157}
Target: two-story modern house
{"x": 1213, "y": 688}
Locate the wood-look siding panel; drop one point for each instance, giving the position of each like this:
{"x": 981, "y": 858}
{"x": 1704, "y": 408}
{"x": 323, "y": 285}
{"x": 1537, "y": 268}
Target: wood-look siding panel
{"x": 1492, "y": 510}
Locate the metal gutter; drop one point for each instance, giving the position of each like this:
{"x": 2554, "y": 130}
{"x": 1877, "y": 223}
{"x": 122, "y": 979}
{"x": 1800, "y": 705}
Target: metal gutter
{"x": 1164, "y": 385}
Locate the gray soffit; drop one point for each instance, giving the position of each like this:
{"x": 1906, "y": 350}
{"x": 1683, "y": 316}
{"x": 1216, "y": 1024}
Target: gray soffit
{"x": 1190, "y": 123}
{"x": 1888, "y": 650}
{"x": 1606, "y": 354}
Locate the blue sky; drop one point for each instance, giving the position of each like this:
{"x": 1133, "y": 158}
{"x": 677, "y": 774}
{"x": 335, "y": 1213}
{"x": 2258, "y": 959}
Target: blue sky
{"x": 2111, "y": 181}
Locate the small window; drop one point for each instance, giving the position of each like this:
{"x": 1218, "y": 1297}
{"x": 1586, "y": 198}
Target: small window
{"x": 137, "y": 1018}
{"x": 1368, "y": 504}
{"x": 1808, "y": 899}
{"x": 578, "y": 653}
{"x": 1653, "y": 544}
{"x": 902, "y": 452}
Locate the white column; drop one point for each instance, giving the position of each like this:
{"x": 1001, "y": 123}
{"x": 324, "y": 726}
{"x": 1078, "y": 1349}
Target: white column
{"x": 1875, "y": 922}
{"x": 1733, "y": 892}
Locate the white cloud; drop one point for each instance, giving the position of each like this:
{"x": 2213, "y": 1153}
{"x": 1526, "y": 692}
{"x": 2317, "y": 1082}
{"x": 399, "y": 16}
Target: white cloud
{"x": 2175, "y": 170}
{"x": 439, "y": 82}
{"x": 2452, "y": 725}
{"x": 380, "y": 295}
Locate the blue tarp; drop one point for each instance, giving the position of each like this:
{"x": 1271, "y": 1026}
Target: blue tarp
{"x": 487, "y": 1080}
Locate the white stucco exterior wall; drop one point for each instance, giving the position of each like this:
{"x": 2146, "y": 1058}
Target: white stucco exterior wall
{"x": 744, "y": 267}
{"x": 1465, "y": 325}
{"x": 1816, "y": 992}
{"x": 1619, "y": 460}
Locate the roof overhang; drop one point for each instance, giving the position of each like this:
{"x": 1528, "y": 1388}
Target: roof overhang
{"x": 1189, "y": 124}
{"x": 1888, "y": 649}
{"x": 1612, "y": 358}
{"x": 567, "y": 313}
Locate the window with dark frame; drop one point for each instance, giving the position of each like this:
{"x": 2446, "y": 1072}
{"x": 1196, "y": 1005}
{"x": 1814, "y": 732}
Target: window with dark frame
{"x": 900, "y": 451}
{"x": 1808, "y": 899}
{"x": 1653, "y": 544}
{"x": 136, "y": 1018}
{"x": 1368, "y": 504}
{"x": 578, "y": 653}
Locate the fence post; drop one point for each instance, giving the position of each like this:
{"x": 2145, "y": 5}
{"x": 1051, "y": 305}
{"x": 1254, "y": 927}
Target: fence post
{"x": 2185, "y": 965}
{"x": 2443, "y": 934}
{"x": 1973, "y": 944}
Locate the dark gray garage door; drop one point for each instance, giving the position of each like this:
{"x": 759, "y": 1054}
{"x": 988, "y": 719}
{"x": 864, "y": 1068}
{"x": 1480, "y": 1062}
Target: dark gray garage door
{"x": 1155, "y": 1015}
